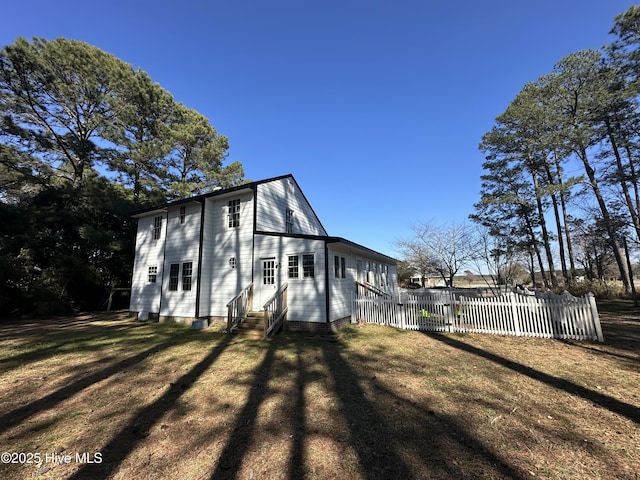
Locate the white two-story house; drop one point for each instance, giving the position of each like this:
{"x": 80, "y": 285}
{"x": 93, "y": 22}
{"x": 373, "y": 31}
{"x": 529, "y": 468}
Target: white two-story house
{"x": 193, "y": 256}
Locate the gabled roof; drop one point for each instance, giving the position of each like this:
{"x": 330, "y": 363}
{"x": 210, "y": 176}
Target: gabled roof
{"x": 221, "y": 191}
{"x": 253, "y": 186}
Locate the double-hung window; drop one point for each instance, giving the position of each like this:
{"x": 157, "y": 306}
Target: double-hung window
{"x": 157, "y": 227}
{"x": 175, "y": 277}
{"x": 308, "y": 268}
{"x": 339, "y": 266}
{"x": 293, "y": 266}
{"x": 153, "y": 274}
{"x": 289, "y": 221}
{"x": 187, "y": 271}
{"x": 233, "y": 213}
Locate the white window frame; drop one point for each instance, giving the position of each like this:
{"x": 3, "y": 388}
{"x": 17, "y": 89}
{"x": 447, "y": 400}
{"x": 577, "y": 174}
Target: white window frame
{"x": 181, "y": 276}
{"x": 233, "y": 213}
{"x": 289, "y": 223}
{"x": 156, "y": 228}
{"x": 187, "y": 276}
{"x": 298, "y": 269}
{"x": 308, "y": 271}
{"x": 293, "y": 266}
{"x": 152, "y": 274}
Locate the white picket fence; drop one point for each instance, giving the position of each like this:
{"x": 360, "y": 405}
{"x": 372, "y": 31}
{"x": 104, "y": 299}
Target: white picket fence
{"x": 559, "y": 316}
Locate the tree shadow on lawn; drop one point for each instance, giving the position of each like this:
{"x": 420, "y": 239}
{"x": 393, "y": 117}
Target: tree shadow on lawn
{"x": 53, "y": 337}
{"x": 414, "y": 443}
{"x": 122, "y": 444}
{"x": 82, "y": 334}
{"x": 18, "y": 415}
{"x": 621, "y": 338}
{"x": 605, "y": 401}
{"x": 230, "y": 460}
{"x": 397, "y": 438}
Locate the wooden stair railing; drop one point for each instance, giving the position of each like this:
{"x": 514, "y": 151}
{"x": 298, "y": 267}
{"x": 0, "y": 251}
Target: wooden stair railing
{"x": 369, "y": 290}
{"x": 239, "y": 307}
{"x": 275, "y": 311}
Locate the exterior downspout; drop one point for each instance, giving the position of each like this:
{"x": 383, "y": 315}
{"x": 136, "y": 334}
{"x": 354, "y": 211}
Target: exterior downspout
{"x": 253, "y": 235}
{"x": 164, "y": 260}
{"x": 326, "y": 281}
{"x": 197, "y": 312}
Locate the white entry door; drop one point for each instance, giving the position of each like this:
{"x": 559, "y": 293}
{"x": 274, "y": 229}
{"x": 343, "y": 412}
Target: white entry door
{"x": 268, "y": 284}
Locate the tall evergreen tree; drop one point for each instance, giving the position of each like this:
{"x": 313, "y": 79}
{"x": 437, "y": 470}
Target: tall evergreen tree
{"x": 56, "y": 99}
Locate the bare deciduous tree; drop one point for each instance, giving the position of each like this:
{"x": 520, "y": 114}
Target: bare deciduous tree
{"x": 440, "y": 249}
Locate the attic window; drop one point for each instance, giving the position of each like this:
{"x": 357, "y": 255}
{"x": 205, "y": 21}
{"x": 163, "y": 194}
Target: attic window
{"x": 289, "y": 221}
{"x": 183, "y": 214}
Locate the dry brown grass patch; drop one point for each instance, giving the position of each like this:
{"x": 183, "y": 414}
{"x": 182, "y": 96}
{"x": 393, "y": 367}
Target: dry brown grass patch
{"x": 163, "y": 401}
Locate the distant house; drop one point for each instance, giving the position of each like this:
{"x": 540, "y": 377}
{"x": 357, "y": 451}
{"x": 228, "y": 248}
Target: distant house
{"x": 193, "y": 256}
{"x": 427, "y": 281}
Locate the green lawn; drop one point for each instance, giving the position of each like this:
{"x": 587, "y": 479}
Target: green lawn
{"x": 108, "y": 397}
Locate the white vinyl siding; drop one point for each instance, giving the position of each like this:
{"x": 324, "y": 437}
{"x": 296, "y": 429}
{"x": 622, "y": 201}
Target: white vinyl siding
{"x": 145, "y": 295}
{"x": 278, "y": 197}
{"x": 182, "y": 248}
{"x": 223, "y": 278}
{"x": 233, "y": 257}
{"x": 305, "y": 296}
{"x": 342, "y": 288}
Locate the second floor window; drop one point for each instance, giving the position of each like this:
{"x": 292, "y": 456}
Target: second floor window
{"x": 183, "y": 214}
{"x": 157, "y": 227}
{"x": 234, "y": 213}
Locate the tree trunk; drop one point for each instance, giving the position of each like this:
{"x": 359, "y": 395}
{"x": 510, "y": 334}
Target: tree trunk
{"x": 533, "y": 244}
{"x": 622, "y": 179}
{"x": 565, "y": 216}
{"x": 608, "y": 221}
{"x": 545, "y": 233}
{"x": 556, "y": 212}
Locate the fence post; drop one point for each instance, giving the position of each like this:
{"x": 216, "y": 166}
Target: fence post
{"x": 353, "y": 307}
{"x": 514, "y": 313}
{"x": 595, "y": 318}
{"x": 451, "y": 311}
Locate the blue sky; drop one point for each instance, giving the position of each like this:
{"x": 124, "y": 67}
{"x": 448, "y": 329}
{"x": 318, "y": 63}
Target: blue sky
{"x": 376, "y": 107}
